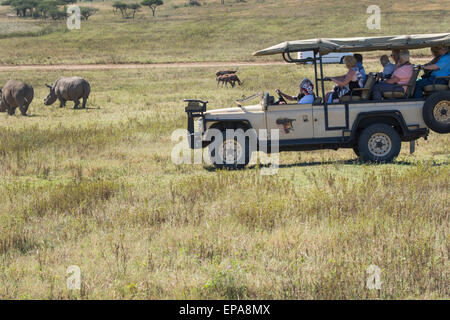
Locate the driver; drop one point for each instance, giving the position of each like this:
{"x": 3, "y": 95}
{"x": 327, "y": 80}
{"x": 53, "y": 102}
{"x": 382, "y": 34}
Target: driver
{"x": 305, "y": 96}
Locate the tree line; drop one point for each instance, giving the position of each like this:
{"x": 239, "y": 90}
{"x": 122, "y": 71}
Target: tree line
{"x": 128, "y": 10}
{"x": 44, "y": 9}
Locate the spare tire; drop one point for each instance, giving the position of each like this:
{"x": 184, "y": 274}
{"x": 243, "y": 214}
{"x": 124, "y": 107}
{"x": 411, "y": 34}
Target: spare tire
{"x": 436, "y": 112}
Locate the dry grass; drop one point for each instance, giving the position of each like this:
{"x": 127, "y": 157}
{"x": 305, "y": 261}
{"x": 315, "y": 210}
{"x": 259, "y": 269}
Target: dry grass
{"x": 96, "y": 188}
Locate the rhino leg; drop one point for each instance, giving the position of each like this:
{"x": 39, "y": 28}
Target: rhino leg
{"x": 84, "y": 103}
{"x": 62, "y": 103}
{"x": 11, "y": 110}
{"x": 23, "y": 109}
{"x": 77, "y": 104}
{"x": 3, "y": 106}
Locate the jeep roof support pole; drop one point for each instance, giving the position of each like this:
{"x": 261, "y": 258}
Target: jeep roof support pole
{"x": 315, "y": 72}
{"x": 322, "y": 82}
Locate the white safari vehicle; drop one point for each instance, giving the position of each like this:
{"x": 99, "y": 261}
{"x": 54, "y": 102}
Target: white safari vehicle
{"x": 332, "y": 57}
{"x": 373, "y": 129}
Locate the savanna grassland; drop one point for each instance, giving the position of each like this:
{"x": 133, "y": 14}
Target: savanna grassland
{"x": 211, "y": 32}
{"x": 97, "y": 188}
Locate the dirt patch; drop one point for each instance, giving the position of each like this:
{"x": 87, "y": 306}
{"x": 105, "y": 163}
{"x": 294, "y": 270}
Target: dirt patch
{"x": 134, "y": 66}
{"x": 157, "y": 65}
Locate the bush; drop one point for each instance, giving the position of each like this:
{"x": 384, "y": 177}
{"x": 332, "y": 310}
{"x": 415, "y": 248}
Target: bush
{"x": 152, "y": 4}
{"x": 86, "y": 12}
{"x": 127, "y": 10}
{"x": 194, "y": 3}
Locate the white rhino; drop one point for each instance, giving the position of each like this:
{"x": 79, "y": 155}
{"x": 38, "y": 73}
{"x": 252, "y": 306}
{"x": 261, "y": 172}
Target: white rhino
{"x": 16, "y": 94}
{"x": 68, "y": 89}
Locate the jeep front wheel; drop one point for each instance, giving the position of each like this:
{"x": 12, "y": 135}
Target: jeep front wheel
{"x": 436, "y": 112}
{"x": 379, "y": 143}
{"x": 231, "y": 153}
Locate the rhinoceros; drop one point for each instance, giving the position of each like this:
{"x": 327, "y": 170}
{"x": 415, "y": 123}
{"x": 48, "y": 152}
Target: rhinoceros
{"x": 16, "y": 94}
{"x": 68, "y": 89}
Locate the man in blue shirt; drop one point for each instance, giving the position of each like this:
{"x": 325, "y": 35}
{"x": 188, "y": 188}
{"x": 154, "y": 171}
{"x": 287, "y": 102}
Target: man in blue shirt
{"x": 440, "y": 69}
{"x": 359, "y": 65}
{"x": 388, "y": 67}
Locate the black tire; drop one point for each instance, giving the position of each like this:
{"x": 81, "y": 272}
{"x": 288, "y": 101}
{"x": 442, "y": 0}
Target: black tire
{"x": 243, "y": 153}
{"x": 436, "y": 112}
{"x": 356, "y": 150}
{"x": 379, "y": 143}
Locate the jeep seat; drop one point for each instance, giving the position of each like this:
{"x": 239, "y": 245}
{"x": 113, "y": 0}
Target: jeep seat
{"x": 411, "y": 86}
{"x": 394, "y": 95}
{"x": 436, "y": 86}
{"x": 365, "y": 92}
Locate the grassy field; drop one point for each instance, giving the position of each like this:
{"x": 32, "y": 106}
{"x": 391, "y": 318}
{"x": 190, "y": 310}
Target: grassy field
{"x": 96, "y": 188}
{"x": 211, "y": 32}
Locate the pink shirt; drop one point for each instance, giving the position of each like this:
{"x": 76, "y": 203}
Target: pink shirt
{"x": 404, "y": 73}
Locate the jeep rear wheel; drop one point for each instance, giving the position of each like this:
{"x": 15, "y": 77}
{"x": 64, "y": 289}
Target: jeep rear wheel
{"x": 436, "y": 112}
{"x": 230, "y": 153}
{"x": 379, "y": 143}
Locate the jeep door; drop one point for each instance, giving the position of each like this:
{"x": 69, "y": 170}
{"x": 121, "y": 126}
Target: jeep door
{"x": 293, "y": 120}
{"x": 330, "y": 121}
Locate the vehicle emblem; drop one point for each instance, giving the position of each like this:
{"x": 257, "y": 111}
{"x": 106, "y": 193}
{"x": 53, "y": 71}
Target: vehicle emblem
{"x": 286, "y": 124}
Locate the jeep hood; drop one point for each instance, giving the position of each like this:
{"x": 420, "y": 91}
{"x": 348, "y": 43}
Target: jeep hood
{"x": 234, "y": 110}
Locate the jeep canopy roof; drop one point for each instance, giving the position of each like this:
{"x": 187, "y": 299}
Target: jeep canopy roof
{"x": 327, "y": 45}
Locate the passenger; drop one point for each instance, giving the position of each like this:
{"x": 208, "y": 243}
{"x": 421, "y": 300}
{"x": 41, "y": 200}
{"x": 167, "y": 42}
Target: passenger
{"x": 399, "y": 79}
{"x": 359, "y": 65}
{"x": 388, "y": 67}
{"x": 439, "y": 69}
{"x": 395, "y": 55}
{"x": 306, "y": 95}
{"x": 436, "y": 56}
{"x": 345, "y": 84}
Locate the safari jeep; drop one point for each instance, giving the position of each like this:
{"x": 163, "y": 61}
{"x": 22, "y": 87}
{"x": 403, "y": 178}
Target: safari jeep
{"x": 373, "y": 129}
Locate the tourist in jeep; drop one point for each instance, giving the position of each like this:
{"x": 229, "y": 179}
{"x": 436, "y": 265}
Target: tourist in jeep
{"x": 436, "y": 55}
{"x": 346, "y": 83}
{"x": 395, "y": 55}
{"x": 359, "y": 65}
{"x": 305, "y": 96}
{"x": 441, "y": 68}
{"x": 388, "y": 67}
{"x": 399, "y": 79}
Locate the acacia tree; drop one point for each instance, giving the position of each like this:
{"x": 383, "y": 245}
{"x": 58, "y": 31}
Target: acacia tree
{"x": 86, "y": 12}
{"x": 125, "y": 8}
{"x": 134, "y": 7}
{"x": 152, "y": 4}
{"x": 121, "y": 6}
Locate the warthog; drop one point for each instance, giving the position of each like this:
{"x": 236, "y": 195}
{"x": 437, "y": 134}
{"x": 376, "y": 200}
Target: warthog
{"x": 224, "y": 72}
{"x": 68, "y": 89}
{"x": 16, "y": 94}
{"x": 228, "y": 78}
